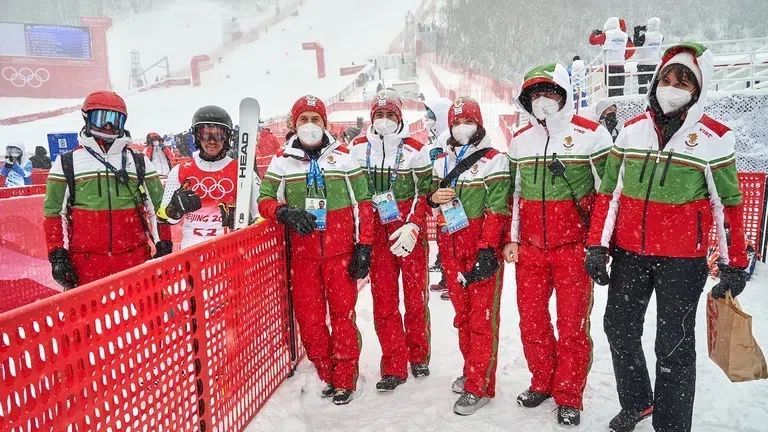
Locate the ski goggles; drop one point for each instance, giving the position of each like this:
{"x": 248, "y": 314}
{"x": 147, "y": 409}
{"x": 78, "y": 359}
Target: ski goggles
{"x": 101, "y": 118}
{"x": 212, "y": 132}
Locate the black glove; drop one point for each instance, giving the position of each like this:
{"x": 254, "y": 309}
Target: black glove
{"x": 163, "y": 248}
{"x": 62, "y": 269}
{"x": 227, "y": 215}
{"x": 300, "y": 221}
{"x": 8, "y": 164}
{"x": 361, "y": 262}
{"x": 596, "y": 264}
{"x": 182, "y": 202}
{"x": 486, "y": 264}
{"x": 731, "y": 279}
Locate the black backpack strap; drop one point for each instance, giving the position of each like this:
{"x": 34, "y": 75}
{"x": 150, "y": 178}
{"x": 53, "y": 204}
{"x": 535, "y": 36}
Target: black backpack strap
{"x": 68, "y": 167}
{"x": 462, "y": 166}
{"x": 141, "y": 171}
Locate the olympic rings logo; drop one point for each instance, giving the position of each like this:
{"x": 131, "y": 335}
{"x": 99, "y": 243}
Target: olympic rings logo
{"x": 212, "y": 188}
{"x": 26, "y": 76}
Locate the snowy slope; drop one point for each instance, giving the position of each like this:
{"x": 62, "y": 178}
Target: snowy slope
{"x": 273, "y": 69}
{"x": 426, "y": 405}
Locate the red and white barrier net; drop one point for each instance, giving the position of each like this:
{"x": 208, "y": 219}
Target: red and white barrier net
{"x": 197, "y": 340}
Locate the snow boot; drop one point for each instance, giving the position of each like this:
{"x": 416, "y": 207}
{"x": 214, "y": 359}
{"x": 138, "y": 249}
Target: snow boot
{"x": 568, "y": 416}
{"x": 342, "y": 397}
{"x": 328, "y": 391}
{"x": 531, "y": 399}
{"x": 440, "y": 286}
{"x": 458, "y": 384}
{"x": 469, "y": 403}
{"x": 388, "y": 383}
{"x": 420, "y": 370}
{"x": 626, "y": 420}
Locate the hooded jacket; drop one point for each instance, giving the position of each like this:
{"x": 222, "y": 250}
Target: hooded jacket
{"x": 615, "y": 42}
{"x": 648, "y": 50}
{"x": 19, "y": 173}
{"x": 106, "y": 216}
{"x": 662, "y": 199}
{"x": 40, "y": 159}
{"x": 543, "y": 211}
{"x": 414, "y": 170}
{"x": 439, "y": 133}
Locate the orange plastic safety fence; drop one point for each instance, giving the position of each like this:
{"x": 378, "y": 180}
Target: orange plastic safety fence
{"x": 197, "y": 340}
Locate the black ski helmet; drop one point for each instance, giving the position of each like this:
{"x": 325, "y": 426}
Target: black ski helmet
{"x": 212, "y": 115}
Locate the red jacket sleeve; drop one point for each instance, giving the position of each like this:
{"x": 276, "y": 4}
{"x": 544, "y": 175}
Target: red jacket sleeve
{"x": 493, "y": 232}
{"x": 596, "y": 39}
{"x": 164, "y": 231}
{"x": 598, "y": 217}
{"x": 54, "y": 232}
{"x": 365, "y": 215}
{"x": 737, "y": 246}
{"x": 630, "y": 49}
{"x": 268, "y": 208}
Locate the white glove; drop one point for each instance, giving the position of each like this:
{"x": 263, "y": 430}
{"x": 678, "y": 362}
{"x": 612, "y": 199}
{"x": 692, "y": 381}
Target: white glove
{"x": 405, "y": 239}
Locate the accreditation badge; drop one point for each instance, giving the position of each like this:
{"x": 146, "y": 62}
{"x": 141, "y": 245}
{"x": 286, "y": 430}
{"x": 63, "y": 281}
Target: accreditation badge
{"x": 455, "y": 217}
{"x": 316, "y": 207}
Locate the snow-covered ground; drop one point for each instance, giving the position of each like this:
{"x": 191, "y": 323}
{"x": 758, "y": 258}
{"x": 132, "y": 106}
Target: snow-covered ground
{"x": 427, "y": 404}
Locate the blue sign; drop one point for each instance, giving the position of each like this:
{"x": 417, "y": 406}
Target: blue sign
{"x": 59, "y": 143}
{"x": 58, "y": 41}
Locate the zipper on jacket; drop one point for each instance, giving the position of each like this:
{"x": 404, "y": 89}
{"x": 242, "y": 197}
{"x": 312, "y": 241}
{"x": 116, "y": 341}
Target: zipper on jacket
{"x": 98, "y": 183}
{"x": 109, "y": 205}
{"x": 666, "y": 168}
{"x": 645, "y": 163}
{"x": 699, "y": 231}
{"x": 536, "y": 169}
{"x": 647, "y": 198}
{"x": 543, "y": 192}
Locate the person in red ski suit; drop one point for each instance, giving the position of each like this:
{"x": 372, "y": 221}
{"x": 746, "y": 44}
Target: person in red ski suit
{"x": 558, "y": 160}
{"x": 313, "y": 186}
{"x": 471, "y": 250}
{"x": 397, "y": 166}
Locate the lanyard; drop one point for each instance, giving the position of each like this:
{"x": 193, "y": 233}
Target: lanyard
{"x": 315, "y": 179}
{"x": 121, "y": 174}
{"x": 392, "y": 174}
{"x": 459, "y": 157}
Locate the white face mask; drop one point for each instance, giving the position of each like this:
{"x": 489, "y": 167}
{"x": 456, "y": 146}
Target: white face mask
{"x": 671, "y": 98}
{"x": 384, "y": 126}
{"x": 463, "y": 133}
{"x": 544, "y": 107}
{"x": 310, "y": 134}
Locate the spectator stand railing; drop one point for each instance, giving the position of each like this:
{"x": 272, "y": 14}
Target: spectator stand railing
{"x": 197, "y": 340}
{"x": 739, "y": 65}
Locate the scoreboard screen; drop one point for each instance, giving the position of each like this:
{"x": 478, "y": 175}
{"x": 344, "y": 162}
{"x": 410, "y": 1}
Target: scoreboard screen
{"x": 51, "y": 41}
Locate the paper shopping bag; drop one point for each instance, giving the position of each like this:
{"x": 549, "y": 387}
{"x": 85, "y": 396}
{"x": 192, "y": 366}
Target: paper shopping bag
{"x": 730, "y": 342}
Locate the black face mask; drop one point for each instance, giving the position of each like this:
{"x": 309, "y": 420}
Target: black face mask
{"x": 610, "y": 121}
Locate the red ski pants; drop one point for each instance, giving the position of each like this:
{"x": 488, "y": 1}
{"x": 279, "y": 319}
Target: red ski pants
{"x": 93, "y": 266}
{"x": 400, "y": 345}
{"x": 559, "y": 366}
{"x": 476, "y": 319}
{"x": 322, "y": 287}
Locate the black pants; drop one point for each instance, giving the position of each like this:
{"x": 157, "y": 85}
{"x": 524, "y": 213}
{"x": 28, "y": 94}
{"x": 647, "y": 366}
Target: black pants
{"x": 644, "y": 76}
{"x": 678, "y": 283}
{"x": 615, "y": 79}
